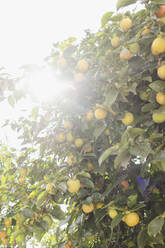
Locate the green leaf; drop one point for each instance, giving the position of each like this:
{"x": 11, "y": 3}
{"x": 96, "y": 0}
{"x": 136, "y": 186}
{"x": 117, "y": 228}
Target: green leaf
{"x": 141, "y": 239}
{"x": 123, "y": 3}
{"x": 27, "y": 212}
{"x": 116, "y": 220}
{"x": 155, "y": 226}
{"x": 158, "y": 86}
{"x": 132, "y": 199}
{"x": 105, "y": 18}
{"x": 41, "y": 198}
{"x": 110, "y": 96}
{"x": 108, "y": 152}
{"x": 98, "y": 131}
{"x": 58, "y": 213}
{"x": 11, "y": 101}
{"x": 87, "y": 182}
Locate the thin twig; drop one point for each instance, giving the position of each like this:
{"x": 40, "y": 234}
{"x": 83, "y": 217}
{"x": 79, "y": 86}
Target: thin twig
{"x": 118, "y": 236}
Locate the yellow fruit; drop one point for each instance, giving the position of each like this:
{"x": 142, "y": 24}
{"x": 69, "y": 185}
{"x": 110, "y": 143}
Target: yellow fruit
{"x": 23, "y": 171}
{"x": 158, "y": 46}
{"x": 88, "y": 149}
{"x": 61, "y": 137}
{"x": 70, "y": 160}
{"x": 99, "y": 205}
{"x": 123, "y": 219}
{"x": 21, "y": 180}
{"x": 158, "y": 117}
{"x": 78, "y": 77}
{"x": 90, "y": 166}
{"x": 62, "y": 63}
{"x": 100, "y": 113}
{"x": 125, "y": 54}
{"x": 146, "y": 31}
{"x": 143, "y": 96}
{"x": 3, "y": 235}
{"x": 160, "y": 98}
{"x": 68, "y": 125}
{"x": 4, "y": 241}
{"x": 128, "y": 118}
{"x": 89, "y": 116}
{"x": 49, "y": 187}
{"x": 112, "y": 213}
{"x": 115, "y": 41}
{"x": 78, "y": 142}
{"x": 126, "y": 24}
{"x": 73, "y": 185}
{"x": 132, "y": 219}
{"x": 8, "y": 222}
{"x": 162, "y": 19}
{"x": 161, "y": 72}
{"x": 82, "y": 65}
{"x": 107, "y": 132}
{"x": 69, "y": 137}
{"x": 88, "y": 208}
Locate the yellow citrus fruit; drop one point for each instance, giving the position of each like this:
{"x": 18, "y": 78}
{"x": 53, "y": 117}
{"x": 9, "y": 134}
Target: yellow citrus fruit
{"x": 132, "y": 219}
{"x": 162, "y": 19}
{"x": 123, "y": 219}
{"x": 70, "y": 159}
{"x": 23, "y": 171}
{"x": 126, "y": 24}
{"x": 90, "y": 166}
{"x": 8, "y": 222}
{"x": 158, "y": 46}
{"x": 100, "y": 113}
{"x": 146, "y": 31}
{"x": 78, "y": 77}
{"x": 68, "y": 244}
{"x": 112, "y": 213}
{"x": 161, "y": 71}
{"x": 88, "y": 208}
{"x": 107, "y": 132}
{"x": 128, "y": 118}
{"x": 69, "y": 137}
{"x": 49, "y": 187}
{"x": 89, "y": 116}
{"x": 62, "y": 63}
{"x": 79, "y": 142}
{"x": 158, "y": 117}
{"x": 82, "y": 65}
{"x": 115, "y": 41}
{"x": 4, "y": 241}
{"x": 61, "y": 137}
{"x": 68, "y": 125}
{"x": 73, "y": 185}
{"x": 21, "y": 180}
{"x": 125, "y": 54}
{"x": 3, "y": 235}
{"x": 160, "y": 98}
{"x": 99, "y": 205}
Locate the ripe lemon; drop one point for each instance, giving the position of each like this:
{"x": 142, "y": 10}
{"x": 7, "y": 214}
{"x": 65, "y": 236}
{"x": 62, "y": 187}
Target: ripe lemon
{"x": 70, "y": 160}
{"x": 89, "y": 116}
{"x": 125, "y": 54}
{"x": 61, "y": 137}
{"x": 161, "y": 72}
{"x": 22, "y": 180}
{"x": 78, "y": 142}
{"x": 128, "y": 118}
{"x": 158, "y": 117}
{"x": 8, "y": 222}
{"x": 90, "y": 166}
{"x": 87, "y": 208}
{"x": 3, "y": 235}
{"x": 115, "y": 41}
{"x": 73, "y": 185}
{"x": 161, "y": 11}
{"x": 68, "y": 125}
{"x": 112, "y": 213}
{"x": 69, "y": 137}
{"x": 160, "y": 98}
{"x": 99, "y": 205}
{"x": 126, "y": 24}
{"x": 78, "y": 77}
{"x": 100, "y": 113}
{"x": 107, "y": 132}
{"x": 132, "y": 219}
{"x": 158, "y": 46}
{"x": 61, "y": 63}
{"x": 82, "y": 65}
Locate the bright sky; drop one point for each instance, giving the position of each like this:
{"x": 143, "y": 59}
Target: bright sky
{"x": 29, "y": 27}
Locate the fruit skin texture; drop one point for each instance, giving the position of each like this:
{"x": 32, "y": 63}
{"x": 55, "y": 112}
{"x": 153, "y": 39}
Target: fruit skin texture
{"x": 146, "y": 31}
{"x": 158, "y": 117}
{"x": 82, "y": 65}
{"x": 61, "y": 137}
{"x": 161, "y": 72}
{"x": 128, "y": 118}
{"x": 8, "y": 222}
{"x": 112, "y": 213}
{"x": 73, "y": 185}
{"x": 2, "y": 235}
{"x": 87, "y": 208}
{"x": 158, "y": 46}
{"x": 79, "y": 142}
{"x": 21, "y": 180}
{"x": 115, "y": 41}
{"x": 161, "y": 11}
{"x": 68, "y": 125}
{"x": 99, "y": 205}
{"x": 78, "y": 77}
{"x": 89, "y": 116}
{"x": 134, "y": 48}
{"x": 126, "y": 24}
{"x": 49, "y": 187}
{"x": 125, "y": 54}
{"x": 131, "y": 219}
{"x": 100, "y": 113}
{"x": 160, "y": 98}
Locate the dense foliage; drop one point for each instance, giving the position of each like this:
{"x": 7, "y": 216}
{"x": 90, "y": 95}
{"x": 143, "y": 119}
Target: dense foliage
{"x": 91, "y": 170}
